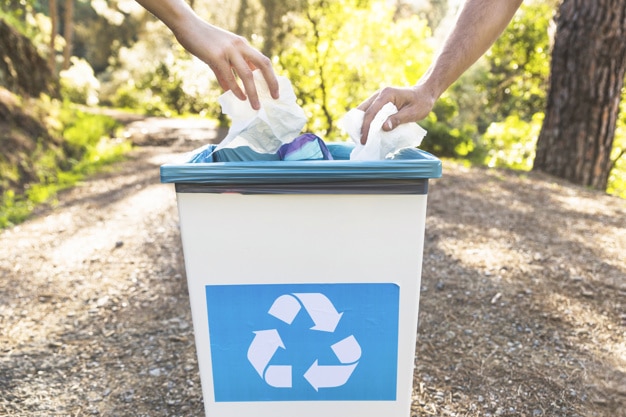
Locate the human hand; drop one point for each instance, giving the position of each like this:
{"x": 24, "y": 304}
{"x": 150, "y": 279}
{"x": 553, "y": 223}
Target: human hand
{"x": 413, "y": 104}
{"x": 229, "y": 56}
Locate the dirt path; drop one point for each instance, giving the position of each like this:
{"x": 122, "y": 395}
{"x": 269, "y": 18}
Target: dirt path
{"x": 522, "y": 311}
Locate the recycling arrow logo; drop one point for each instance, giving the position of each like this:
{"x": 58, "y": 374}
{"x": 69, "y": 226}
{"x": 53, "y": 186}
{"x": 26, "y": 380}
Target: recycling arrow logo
{"x": 325, "y": 317}
{"x": 302, "y": 342}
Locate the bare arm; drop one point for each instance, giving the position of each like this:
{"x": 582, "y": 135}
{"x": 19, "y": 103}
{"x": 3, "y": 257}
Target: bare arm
{"x": 478, "y": 25}
{"x": 226, "y": 53}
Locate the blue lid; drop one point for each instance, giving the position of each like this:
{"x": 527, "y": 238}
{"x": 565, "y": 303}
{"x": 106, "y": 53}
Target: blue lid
{"x": 407, "y": 164}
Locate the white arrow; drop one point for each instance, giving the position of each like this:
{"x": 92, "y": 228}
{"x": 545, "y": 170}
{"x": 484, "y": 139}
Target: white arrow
{"x": 347, "y": 350}
{"x": 278, "y": 376}
{"x": 320, "y": 376}
{"x": 321, "y": 310}
{"x": 263, "y": 347}
{"x": 285, "y": 308}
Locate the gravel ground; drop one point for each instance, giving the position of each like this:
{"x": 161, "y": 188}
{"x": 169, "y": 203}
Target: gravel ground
{"x": 522, "y": 310}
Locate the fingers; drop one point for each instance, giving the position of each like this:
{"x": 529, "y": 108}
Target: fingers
{"x": 405, "y": 114}
{"x": 244, "y": 72}
{"x": 263, "y": 64}
{"x": 238, "y": 62}
{"x": 371, "y": 107}
{"x": 272, "y": 82}
{"x": 231, "y": 58}
{"x": 412, "y": 104}
{"x": 239, "y": 65}
{"x": 368, "y": 117}
{"x": 226, "y": 79}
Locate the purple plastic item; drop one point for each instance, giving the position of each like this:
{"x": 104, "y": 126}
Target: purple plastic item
{"x": 305, "y": 147}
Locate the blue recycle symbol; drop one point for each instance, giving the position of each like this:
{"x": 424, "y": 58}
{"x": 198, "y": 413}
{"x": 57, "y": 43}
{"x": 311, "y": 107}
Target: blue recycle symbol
{"x": 326, "y": 318}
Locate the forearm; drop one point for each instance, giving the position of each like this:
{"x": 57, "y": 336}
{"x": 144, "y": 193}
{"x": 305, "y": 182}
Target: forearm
{"x": 171, "y": 12}
{"x": 479, "y": 24}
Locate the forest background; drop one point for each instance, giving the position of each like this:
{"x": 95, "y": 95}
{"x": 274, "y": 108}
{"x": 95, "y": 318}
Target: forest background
{"x": 336, "y": 53}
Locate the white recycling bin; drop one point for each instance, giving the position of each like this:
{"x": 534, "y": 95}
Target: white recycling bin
{"x": 304, "y": 282}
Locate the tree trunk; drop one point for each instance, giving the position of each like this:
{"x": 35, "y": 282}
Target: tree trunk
{"x": 54, "y": 20}
{"x": 271, "y": 17}
{"x": 242, "y": 16}
{"x": 68, "y": 33}
{"x": 586, "y": 79}
{"x": 273, "y": 12}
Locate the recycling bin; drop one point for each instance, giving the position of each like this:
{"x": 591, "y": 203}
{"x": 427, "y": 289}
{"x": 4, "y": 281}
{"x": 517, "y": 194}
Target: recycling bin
{"x": 304, "y": 281}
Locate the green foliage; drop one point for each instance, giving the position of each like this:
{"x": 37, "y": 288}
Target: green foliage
{"x": 511, "y": 143}
{"x": 617, "y": 177}
{"x": 444, "y": 139}
{"x": 14, "y": 14}
{"x": 519, "y": 64}
{"x": 166, "y": 83}
{"x": 26, "y": 17}
{"x": 340, "y": 52}
{"x": 88, "y": 146}
{"x": 84, "y": 134}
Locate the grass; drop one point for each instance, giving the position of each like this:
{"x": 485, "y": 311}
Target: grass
{"x": 89, "y": 145}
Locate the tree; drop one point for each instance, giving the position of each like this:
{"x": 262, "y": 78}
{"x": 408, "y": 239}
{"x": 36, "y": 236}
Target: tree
{"x": 68, "y": 32}
{"x": 242, "y": 16}
{"x": 54, "y": 23}
{"x": 340, "y": 52}
{"x": 587, "y": 77}
{"x": 518, "y": 65}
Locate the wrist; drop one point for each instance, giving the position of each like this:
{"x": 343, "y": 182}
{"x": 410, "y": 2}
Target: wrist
{"x": 427, "y": 92}
{"x": 183, "y": 21}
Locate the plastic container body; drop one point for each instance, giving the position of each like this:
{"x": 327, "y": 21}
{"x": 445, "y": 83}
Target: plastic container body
{"x": 304, "y": 283}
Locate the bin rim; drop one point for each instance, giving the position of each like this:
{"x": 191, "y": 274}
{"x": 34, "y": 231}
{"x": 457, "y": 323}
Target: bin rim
{"x": 409, "y": 164}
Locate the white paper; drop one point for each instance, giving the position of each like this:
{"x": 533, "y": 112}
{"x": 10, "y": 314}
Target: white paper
{"x": 265, "y": 130}
{"x": 380, "y": 144}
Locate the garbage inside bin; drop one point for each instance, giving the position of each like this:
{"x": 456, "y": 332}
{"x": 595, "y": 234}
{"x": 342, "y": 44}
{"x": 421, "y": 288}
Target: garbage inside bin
{"x": 307, "y": 147}
{"x": 380, "y": 144}
{"x": 274, "y": 131}
{"x": 264, "y": 130}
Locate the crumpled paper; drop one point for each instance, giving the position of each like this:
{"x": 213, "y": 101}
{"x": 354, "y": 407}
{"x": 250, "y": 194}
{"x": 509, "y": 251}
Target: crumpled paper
{"x": 380, "y": 144}
{"x": 265, "y": 130}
